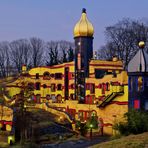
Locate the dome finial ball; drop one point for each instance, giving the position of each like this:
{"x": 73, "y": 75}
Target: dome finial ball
{"x": 83, "y": 10}
{"x": 141, "y": 44}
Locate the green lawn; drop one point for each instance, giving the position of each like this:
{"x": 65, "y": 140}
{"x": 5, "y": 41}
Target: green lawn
{"x": 132, "y": 141}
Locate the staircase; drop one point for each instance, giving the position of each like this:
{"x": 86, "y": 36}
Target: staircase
{"x": 110, "y": 97}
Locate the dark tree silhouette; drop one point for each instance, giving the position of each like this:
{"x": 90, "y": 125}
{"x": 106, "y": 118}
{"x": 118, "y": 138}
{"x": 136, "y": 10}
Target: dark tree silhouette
{"x": 37, "y": 46}
{"x": 52, "y": 49}
{"x": 122, "y": 40}
{"x": 4, "y": 59}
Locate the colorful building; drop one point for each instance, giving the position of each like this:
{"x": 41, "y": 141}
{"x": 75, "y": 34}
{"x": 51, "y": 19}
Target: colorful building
{"x": 138, "y": 80}
{"x": 6, "y": 118}
{"x": 83, "y": 87}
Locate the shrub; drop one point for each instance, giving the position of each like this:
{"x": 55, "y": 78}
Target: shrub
{"x": 137, "y": 122}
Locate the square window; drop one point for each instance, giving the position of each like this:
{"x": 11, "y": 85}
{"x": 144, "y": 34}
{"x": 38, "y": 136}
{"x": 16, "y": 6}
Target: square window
{"x": 59, "y": 87}
{"x": 58, "y": 75}
{"x": 37, "y": 75}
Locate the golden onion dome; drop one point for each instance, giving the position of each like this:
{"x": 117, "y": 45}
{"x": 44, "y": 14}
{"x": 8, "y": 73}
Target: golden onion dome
{"x": 83, "y": 27}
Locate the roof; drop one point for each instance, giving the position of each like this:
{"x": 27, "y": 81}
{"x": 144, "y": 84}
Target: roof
{"x": 139, "y": 63}
{"x": 83, "y": 27}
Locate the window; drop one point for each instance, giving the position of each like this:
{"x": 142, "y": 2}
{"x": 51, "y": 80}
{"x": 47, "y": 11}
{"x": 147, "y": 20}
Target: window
{"x": 53, "y": 98}
{"x": 52, "y": 75}
{"x": 72, "y": 75}
{"x": 140, "y": 84}
{"x": 100, "y": 73}
{"x": 87, "y": 86}
{"x": 80, "y": 115}
{"x": 103, "y": 88}
{"x": 72, "y": 97}
{"x": 46, "y": 75}
{"x": 136, "y": 104}
{"x": 72, "y": 112}
{"x": 72, "y": 86}
{"x": 48, "y": 97}
{"x": 3, "y": 128}
{"x": 107, "y": 86}
{"x": 114, "y": 74}
{"x": 58, "y": 75}
{"x": 37, "y": 75}
{"x": 30, "y": 86}
{"x": 52, "y": 87}
{"x": 92, "y": 88}
{"x": 59, "y": 98}
{"x": 37, "y": 86}
{"x": 44, "y": 86}
{"x": 38, "y": 97}
{"x": 59, "y": 87}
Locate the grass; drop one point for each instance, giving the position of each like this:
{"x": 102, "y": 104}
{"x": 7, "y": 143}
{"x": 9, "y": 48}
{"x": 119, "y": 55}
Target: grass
{"x": 132, "y": 141}
{"x": 3, "y": 144}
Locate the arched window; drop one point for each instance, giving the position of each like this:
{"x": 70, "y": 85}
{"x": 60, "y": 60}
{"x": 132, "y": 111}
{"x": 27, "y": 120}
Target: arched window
{"x": 72, "y": 97}
{"x": 59, "y": 98}
{"x": 48, "y": 97}
{"x": 44, "y": 86}
{"x": 37, "y": 85}
{"x": 46, "y": 75}
{"x": 59, "y": 87}
{"x": 72, "y": 86}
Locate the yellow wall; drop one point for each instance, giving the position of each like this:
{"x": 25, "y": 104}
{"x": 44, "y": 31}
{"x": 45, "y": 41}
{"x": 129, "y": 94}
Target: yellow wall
{"x": 109, "y": 113}
{"x": 6, "y": 114}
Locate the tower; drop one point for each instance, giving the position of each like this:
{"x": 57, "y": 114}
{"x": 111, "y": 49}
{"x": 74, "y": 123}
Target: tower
{"x": 83, "y": 36}
{"x": 138, "y": 80}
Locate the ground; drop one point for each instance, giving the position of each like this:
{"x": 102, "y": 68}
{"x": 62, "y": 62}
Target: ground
{"x": 53, "y": 134}
{"x": 132, "y": 141}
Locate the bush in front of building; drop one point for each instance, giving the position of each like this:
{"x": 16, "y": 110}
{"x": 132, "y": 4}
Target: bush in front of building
{"x": 84, "y": 127}
{"x": 137, "y": 122}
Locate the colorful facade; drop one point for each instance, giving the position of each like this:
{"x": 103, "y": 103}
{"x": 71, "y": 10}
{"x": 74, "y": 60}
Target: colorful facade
{"x": 6, "y": 118}
{"x": 138, "y": 80}
{"x": 82, "y": 87}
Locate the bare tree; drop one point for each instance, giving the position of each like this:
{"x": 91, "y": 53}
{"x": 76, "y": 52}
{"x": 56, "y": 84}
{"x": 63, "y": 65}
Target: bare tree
{"x": 66, "y": 48}
{"x": 123, "y": 38}
{"x": 70, "y": 53}
{"x": 20, "y": 53}
{"x": 37, "y": 46}
{"x": 59, "y": 52}
{"x": 4, "y": 59}
{"x": 63, "y": 48}
{"x": 52, "y": 49}
{"x": 107, "y": 52}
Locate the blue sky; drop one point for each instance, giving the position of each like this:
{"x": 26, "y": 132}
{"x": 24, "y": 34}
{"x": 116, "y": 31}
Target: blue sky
{"x": 55, "y": 19}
